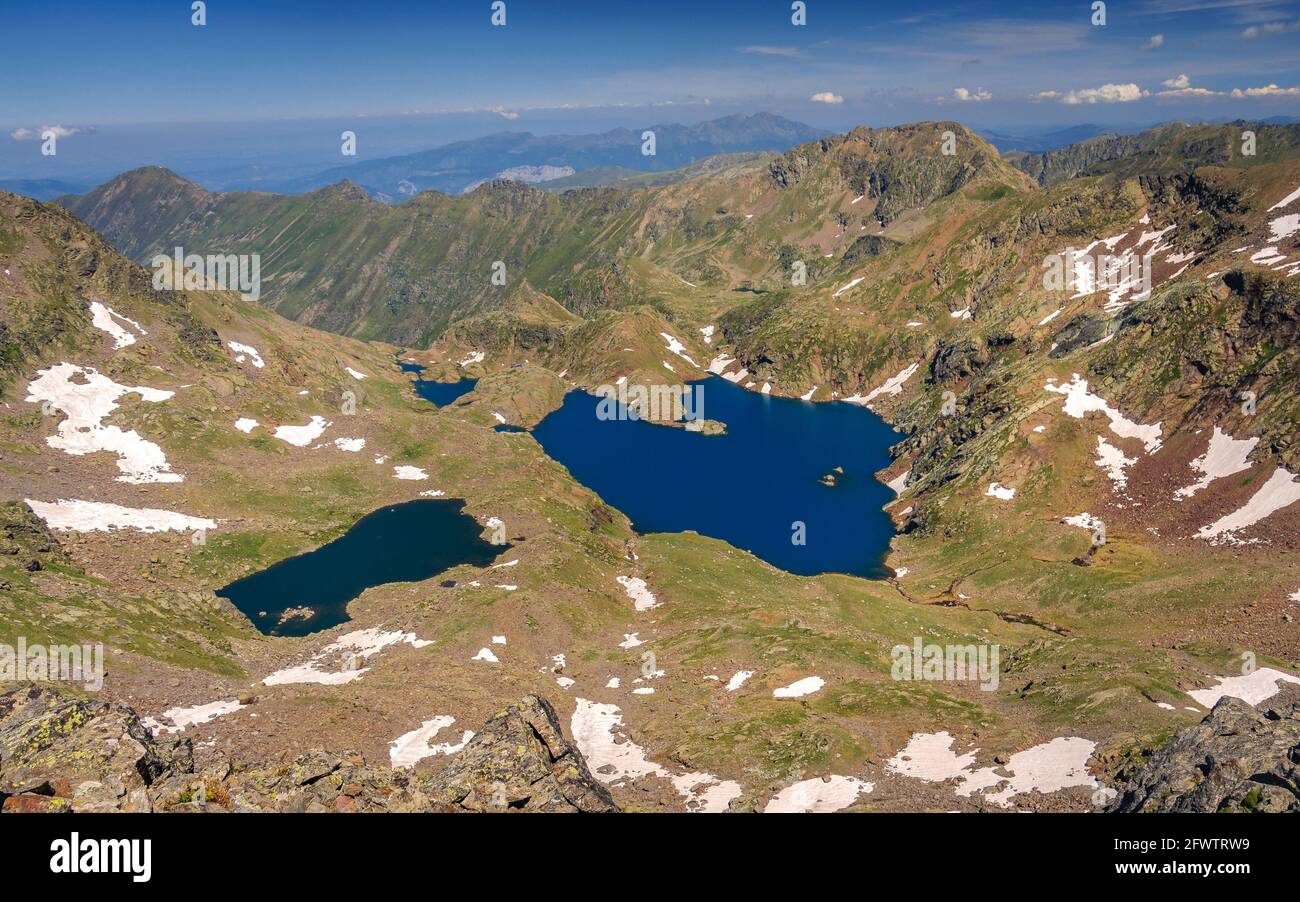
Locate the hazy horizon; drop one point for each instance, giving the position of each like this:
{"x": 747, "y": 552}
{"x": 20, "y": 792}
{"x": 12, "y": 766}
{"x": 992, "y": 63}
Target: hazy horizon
{"x": 255, "y": 93}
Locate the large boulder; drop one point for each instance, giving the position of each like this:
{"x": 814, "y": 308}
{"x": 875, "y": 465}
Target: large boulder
{"x": 1238, "y": 758}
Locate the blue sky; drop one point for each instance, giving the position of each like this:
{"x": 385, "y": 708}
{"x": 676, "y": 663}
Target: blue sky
{"x": 583, "y": 65}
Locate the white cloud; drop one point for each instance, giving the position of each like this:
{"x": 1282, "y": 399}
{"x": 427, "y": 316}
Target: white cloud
{"x": 1181, "y": 86}
{"x": 1256, "y": 31}
{"x": 503, "y": 112}
{"x": 1045, "y": 95}
{"x": 1107, "y": 93}
{"x": 1156, "y": 40}
{"x": 35, "y": 134}
{"x": 965, "y": 95}
{"x": 765, "y": 50}
{"x": 826, "y": 97}
{"x": 1266, "y": 91}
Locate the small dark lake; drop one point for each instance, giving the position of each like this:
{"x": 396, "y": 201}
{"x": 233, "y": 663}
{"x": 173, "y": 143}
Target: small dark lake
{"x": 747, "y": 487}
{"x": 400, "y": 543}
{"x": 439, "y": 393}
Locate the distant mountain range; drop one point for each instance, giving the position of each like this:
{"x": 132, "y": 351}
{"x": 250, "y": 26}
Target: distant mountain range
{"x": 457, "y": 167}
{"x": 43, "y": 189}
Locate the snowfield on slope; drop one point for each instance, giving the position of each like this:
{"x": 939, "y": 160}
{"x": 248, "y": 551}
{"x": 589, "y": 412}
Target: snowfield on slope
{"x": 1049, "y": 767}
{"x": 411, "y": 748}
{"x": 818, "y": 795}
{"x": 1253, "y": 688}
{"x": 74, "y": 515}
{"x": 1079, "y": 402}
{"x": 614, "y": 758}
{"x": 1224, "y": 456}
{"x": 354, "y": 647}
{"x": 108, "y": 320}
{"x": 1281, "y": 490}
{"x": 86, "y": 403}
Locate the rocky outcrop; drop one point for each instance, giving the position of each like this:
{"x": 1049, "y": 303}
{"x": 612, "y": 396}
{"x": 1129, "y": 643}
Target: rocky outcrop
{"x": 63, "y": 754}
{"x": 520, "y": 760}
{"x": 1239, "y": 758}
{"x": 68, "y": 754}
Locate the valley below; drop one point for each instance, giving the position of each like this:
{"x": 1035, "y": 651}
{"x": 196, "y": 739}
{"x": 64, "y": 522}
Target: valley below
{"x": 348, "y": 545}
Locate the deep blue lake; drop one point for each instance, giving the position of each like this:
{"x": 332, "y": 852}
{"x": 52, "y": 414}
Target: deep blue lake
{"x": 400, "y": 543}
{"x": 746, "y": 487}
{"x": 439, "y": 393}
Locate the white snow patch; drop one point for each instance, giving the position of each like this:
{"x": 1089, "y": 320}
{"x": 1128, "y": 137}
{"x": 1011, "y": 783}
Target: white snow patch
{"x": 613, "y": 759}
{"x": 354, "y": 374}
{"x": 485, "y": 654}
{"x": 1002, "y": 492}
{"x": 899, "y": 482}
{"x": 818, "y": 796}
{"x": 738, "y": 679}
{"x": 410, "y": 748}
{"x": 472, "y": 357}
{"x": 1051, "y": 316}
{"x": 964, "y": 313}
{"x": 1267, "y": 256}
{"x": 182, "y": 717}
{"x": 1284, "y": 227}
{"x": 1051, "y": 766}
{"x": 1114, "y": 462}
{"x": 1286, "y": 201}
{"x": 1280, "y": 491}
{"x": 349, "y": 444}
{"x": 637, "y": 590}
{"x": 808, "y": 395}
{"x": 806, "y": 686}
{"x": 355, "y": 646}
{"x": 304, "y": 435}
{"x": 1079, "y": 401}
{"x": 105, "y": 318}
{"x": 248, "y": 352}
{"x": 677, "y": 348}
{"x": 630, "y": 640}
{"x": 1224, "y": 456}
{"x": 1253, "y": 688}
{"x": 892, "y": 386}
{"x": 845, "y": 288}
{"x": 414, "y": 474}
{"x": 245, "y": 424}
{"x": 707, "y": 332}
{"x": 99, "y": 516}
{"x": 1084, "y": 520}
{"x": 86, "y": 404}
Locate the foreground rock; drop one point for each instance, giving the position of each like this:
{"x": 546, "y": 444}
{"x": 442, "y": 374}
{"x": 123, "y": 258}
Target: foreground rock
{"x": 1238, "y": 758}
{"x": 67, "y": 754}
{"x": 521, "y": 760}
